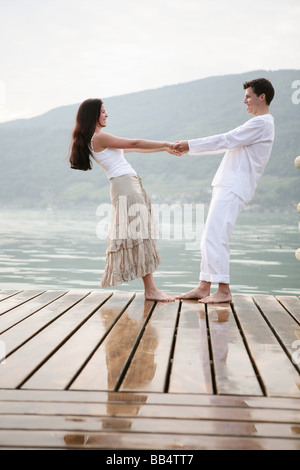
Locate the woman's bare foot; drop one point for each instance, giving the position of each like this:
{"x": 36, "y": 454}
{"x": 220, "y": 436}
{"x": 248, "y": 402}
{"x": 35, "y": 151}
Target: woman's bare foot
{"x": 155, "y": 294}
{"x": 202, "y": 290}
{"x": 152, "y": 292}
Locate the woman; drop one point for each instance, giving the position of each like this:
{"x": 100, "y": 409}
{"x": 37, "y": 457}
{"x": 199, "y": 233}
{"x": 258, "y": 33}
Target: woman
{"x": 131, "y": 250}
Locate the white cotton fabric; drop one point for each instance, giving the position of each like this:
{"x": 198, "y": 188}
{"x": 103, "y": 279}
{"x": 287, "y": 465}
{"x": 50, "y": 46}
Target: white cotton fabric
{"x": 248, "y": 148}
{"x": 112, "y": 161}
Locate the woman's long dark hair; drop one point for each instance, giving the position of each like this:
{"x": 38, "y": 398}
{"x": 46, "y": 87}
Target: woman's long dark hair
{"x": 87, "y": 116}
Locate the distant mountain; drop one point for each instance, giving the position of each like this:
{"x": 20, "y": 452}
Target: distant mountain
{"x": 34, "y": 152}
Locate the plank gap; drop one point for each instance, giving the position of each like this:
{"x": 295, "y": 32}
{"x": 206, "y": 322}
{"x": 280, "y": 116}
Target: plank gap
{"x": 45, "y": 326}
{"x": 64, "y": 340}
{"x": 134, "y": 348}
{"x": 37, "y": 310}
{"x": 277, "y": 336}
{"x": 169, "y": 369}
{"x": 258, "y": 376}
{"x": 211, "y": 354}
{"x": 287, "y": 309}
{"x": 101, "y": 340}
{"x": 37, "y": 293}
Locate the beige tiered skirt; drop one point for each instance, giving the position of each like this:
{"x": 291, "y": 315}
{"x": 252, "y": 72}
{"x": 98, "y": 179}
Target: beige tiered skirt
{"x": 131, "y": 249}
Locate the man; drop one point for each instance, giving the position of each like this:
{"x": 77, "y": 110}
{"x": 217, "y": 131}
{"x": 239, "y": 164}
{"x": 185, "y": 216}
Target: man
{"x": 248, "y": 148}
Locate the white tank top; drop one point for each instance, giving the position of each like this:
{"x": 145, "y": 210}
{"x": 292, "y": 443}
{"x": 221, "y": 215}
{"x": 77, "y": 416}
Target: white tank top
{"x": 112, "y": 161}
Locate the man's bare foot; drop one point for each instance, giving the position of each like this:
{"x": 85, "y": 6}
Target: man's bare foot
{"x": 198, "y": 293}
{"x": 217, "y": 298}
{"x": 156, "y": 294}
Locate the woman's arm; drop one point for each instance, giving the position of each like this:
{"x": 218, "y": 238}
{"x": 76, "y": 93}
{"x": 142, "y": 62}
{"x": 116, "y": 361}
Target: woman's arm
{"x": 162, "y": 149}
{"x": 104, "y": 140}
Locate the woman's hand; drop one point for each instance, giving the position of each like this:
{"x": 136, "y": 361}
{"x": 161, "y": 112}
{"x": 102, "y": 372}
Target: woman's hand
{"x": 172, "y": 151}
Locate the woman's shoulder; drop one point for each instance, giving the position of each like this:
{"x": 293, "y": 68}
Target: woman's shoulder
{"x": 99, "y": 141}
{"x": 99, "y": 136}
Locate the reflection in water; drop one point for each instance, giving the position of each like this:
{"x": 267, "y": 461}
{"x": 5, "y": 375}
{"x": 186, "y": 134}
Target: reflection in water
{"x": 218, "y": 324}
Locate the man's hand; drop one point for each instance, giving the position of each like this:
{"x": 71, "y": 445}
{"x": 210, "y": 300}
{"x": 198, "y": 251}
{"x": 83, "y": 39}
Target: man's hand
{"x": 172, "y": 151}
{"x": 182, "y": 146}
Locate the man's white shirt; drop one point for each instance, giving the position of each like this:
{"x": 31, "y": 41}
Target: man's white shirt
{"x": 248, "y": 148}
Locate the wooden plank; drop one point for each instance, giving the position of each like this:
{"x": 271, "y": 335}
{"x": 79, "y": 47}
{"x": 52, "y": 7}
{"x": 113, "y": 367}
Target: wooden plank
{"x": 284, "y": 326}
{"x": 5, "y": 293}
{"x": 25, "y": 360}
{"x": 277, "y": 373}
{"x": 63, "y": 366}
{"x": 149, "y": 368}
{"x": 291, "y": 304}
{"x": 191, "y": 371}
{"x": 23, "y": 331}
{"x": 146, "y": 410}
{"x": 25, "y": 310}
{"x": 166, "y": 399}
{"x": 233, "y": 369}
{"x": 105, "y": 366}
{"x": 18, "y": 439}
{"x": 18, "y": 299}
{"x": 151, "y": 426}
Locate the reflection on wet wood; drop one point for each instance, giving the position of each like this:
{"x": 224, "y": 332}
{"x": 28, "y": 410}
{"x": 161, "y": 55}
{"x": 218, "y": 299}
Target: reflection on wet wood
{"x": 107, "y": 363}
{"x": 191, "y": 368}
{"x": 149, "y": 368}
{"x": 100, "y": 370}
{"x": 234, "y": 372}
{"x": 42, "y": 419}
{"x": 278, "y": 374}
{"x": 284, "y": 326}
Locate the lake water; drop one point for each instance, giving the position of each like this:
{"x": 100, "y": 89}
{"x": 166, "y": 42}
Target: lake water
{"x": 55, "y": 249}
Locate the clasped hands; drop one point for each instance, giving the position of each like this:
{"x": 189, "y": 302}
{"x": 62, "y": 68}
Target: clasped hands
{"x": 179, "y": 148}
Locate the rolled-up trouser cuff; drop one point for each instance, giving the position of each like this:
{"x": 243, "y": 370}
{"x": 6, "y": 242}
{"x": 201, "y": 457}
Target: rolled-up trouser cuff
{"x": 214, "y": 278}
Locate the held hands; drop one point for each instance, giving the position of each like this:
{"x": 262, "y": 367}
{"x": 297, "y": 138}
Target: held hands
{"x": 178, "y": 148}
{"x": 181, "y": 146}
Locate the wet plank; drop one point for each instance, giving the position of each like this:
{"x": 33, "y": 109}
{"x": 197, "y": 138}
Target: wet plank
{"x": 25, "y": 360}
{"x": 18, "y": 299}
{"x": 191, "y": 370}
{"x": 142, "y": 408}
{"x": 5, "y": 293}
{"x": 17, "y": 335}
{"x": 148, "y": 370}
{"x": 278, "y": 375}
{"x": 233, "y": 369}
{"x": 18, "y": 439}
{"x": 151, "y": 425}
{"x": 291, "y": 304}
{"x": 22, "y": 311}
{"x": 96, "y": 397}
{"x": 61, "y": 368}
{"x": 107, "y": 363}
{"x": 103, "y": 370}
{"x": 284, "y": 326}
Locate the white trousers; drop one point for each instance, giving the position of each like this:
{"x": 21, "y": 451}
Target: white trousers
{"x": 223, "y": 211}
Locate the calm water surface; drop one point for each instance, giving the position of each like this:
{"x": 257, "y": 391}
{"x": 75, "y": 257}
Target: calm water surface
{"x": 55, "y": 249}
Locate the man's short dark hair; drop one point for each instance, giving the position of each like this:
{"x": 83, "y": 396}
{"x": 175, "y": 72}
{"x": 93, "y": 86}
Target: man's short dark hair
{"x": 261, "y": 85}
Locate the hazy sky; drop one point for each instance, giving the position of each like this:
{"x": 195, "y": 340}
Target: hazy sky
{"x": 60, "y": 52}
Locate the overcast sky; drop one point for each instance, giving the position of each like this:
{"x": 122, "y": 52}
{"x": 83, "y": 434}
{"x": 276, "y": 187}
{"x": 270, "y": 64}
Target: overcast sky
{"x": 59, "y": 52}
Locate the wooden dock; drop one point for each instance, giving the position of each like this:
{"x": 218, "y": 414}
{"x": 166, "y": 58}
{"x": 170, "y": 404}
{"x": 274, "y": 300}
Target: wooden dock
{"x": 108, "y": 370}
